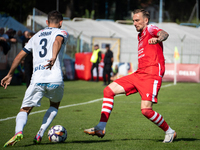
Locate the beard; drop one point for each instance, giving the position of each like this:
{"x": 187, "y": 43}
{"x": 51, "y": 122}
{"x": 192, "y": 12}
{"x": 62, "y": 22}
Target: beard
{"x": 139, "y": 29}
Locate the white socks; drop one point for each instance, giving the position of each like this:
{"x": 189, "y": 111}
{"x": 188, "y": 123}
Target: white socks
{"x": 21, "y": 120}
{"x": 48, "y": 118}
{"x": 169, "y": 130}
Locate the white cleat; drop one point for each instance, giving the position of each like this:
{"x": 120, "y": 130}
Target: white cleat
{"x": 169, "y": 137}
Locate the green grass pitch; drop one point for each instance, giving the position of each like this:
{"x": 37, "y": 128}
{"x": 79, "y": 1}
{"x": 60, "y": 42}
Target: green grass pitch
{"x": 126, "y": 129}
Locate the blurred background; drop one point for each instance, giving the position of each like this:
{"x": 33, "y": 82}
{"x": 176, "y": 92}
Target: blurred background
{"x": 173, "y": 10}
{"x": 102, "y": 22}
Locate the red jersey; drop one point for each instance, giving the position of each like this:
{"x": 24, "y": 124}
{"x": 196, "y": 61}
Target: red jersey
{"x": 150, "y": 56}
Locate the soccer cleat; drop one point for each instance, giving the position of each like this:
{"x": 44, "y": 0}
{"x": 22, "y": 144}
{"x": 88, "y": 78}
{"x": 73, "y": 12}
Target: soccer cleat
{"x": 169, "y": 137}
{"x": 37, "y": 139}
{"x": 17, "y": 137}
{"x": 95, "y": 131}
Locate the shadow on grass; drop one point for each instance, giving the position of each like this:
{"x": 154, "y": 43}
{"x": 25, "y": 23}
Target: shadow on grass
{"x": 184, "y": 139}
{"x": 103, "y": 141}
{"x": 7, "y": 97}
{"x": 80, "y": 141}
{"x": 176, "y": 140}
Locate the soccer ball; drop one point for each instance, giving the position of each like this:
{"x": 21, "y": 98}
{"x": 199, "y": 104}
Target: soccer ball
{"x": 57, "y": 134}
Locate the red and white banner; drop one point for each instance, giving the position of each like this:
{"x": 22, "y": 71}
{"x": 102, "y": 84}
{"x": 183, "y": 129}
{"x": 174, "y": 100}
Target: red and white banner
{"x": 83, "y": 66}
{"x": 185, "y": 72}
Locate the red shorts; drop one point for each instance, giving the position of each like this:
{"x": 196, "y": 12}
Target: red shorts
{"x": 147, "y": 85}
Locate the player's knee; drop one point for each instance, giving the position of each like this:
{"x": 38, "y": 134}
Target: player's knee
{"x": 26, "y": 109}
{"x": 108, "y": 92}
{"x": 55, "y": 105}
{"x": 146, "y": 111}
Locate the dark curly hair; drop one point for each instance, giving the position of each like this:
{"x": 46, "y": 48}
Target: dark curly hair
{"x": 54, "y": 17}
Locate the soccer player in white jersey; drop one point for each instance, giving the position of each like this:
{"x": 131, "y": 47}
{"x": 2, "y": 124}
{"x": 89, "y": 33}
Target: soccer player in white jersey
{"x": 47, "y": 47}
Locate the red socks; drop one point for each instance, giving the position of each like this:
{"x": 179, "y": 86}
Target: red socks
{"x": 155, "y": 117}
{"x": 107, "y": 106}
{"x": 108, "y": 101}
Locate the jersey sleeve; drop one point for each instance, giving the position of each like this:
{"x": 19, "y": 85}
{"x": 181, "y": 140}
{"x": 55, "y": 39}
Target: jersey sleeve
{"x": 29, "y": 46}
{"x": 63, "y": 34}
{"x": 153, "y": 30}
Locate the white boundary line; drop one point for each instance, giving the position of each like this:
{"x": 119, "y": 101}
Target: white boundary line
{"x": 84, "y": 103}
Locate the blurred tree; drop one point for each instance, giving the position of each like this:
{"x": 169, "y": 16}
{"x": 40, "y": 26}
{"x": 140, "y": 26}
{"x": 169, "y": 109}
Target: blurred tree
{"x": 179, "y": 9}
{"x": 19, "y": 9}
{"x": 116, "y": 9}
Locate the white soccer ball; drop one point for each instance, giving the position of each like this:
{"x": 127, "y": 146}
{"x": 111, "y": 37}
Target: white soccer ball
{"x": 57, "y": 134}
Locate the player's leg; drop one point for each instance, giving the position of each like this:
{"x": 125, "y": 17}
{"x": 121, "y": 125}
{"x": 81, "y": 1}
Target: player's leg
{"x": 47, "y": 119}
{"x": 22, "y": 118}
{"x": 54, "y": 91}
{"x": 32, "y": 98}
{"x": 108, "y": 100}
{"x": 97, "y": 69}
{"x": 21, "y": 121}
{"x": 149, "y": 113}
{"x": 109, "y": 71}
{"x": 104, "y": 75}
{"x": 149, "y": 93}
{"x": 93, "y": 65}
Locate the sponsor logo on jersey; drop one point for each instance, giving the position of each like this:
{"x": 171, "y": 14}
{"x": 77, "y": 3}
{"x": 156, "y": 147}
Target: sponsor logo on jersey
{"x": 140, "y": 51}
{"x": 140, "y": 56}
{"x": 140, "y": 45}
{"x": 49, "y": 85}
{"x": 45, "y": 33}
{"x": 64, "y": 32}
{"x": 147, "y": 94}
{"x": 40, "y": 67}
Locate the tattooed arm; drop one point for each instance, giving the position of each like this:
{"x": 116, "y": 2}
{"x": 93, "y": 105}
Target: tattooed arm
{"x": 162, "y": 36}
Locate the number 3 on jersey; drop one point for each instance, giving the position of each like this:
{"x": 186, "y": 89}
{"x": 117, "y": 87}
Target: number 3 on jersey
{"x": 43, "y": 42}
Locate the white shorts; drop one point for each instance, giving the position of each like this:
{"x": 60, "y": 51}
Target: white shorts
{"x": 35, "y": 92}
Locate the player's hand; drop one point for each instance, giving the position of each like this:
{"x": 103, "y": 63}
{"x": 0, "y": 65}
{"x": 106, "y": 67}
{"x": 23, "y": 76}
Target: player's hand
{"x": 50, "y": 64}
{"x": 153, "y": 40}
{"x": 6, "y": 81}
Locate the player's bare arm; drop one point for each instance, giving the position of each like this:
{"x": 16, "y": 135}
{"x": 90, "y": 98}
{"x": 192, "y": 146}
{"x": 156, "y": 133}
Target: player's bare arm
{"x": 162, "y": 36}
{"x": 7, "y": 79}
{"x": 56, "y": 48}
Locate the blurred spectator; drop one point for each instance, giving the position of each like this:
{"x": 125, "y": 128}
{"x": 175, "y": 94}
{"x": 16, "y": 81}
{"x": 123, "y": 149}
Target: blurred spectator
{"x": 18, "y": 36}
{"x": 95, "y": 59}
{"x": 115, "y": 70}
{"x": 28, "y": 64}
{"x": 13, "y": 45}
{"x": 11, "y": 33}
{"x": 4, "y": 41}
{"x": 3, "y": 36}
{"x": 30, "y": 34}
{"x": 25, "y": 38}
{"x": 108, "y": 60}
{"x": 115, "y": 73}
{"x": 5, "y": 46}
{"x": 19, "y": 74}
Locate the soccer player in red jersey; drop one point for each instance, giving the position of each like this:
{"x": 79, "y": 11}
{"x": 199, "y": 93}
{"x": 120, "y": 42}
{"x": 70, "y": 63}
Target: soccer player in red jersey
{"x": 146, "y": 80}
